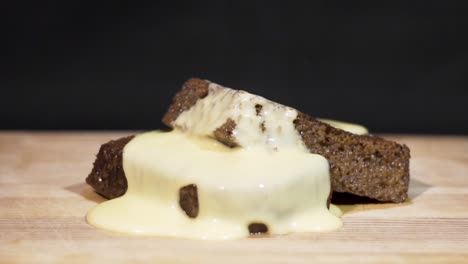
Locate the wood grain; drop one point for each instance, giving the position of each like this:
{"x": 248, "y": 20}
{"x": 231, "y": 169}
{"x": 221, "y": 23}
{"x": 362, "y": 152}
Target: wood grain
{"x": 43, "y": 201}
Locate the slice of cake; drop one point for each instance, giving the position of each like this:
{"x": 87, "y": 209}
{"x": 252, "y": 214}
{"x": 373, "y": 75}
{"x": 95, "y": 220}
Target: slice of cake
{"x": 235, "y": 164}
{"x": 363, "y": 165}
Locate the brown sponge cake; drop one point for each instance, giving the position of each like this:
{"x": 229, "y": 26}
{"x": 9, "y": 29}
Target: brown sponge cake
{"x": 363, "y": 165}
{"x": 107, "y": 176}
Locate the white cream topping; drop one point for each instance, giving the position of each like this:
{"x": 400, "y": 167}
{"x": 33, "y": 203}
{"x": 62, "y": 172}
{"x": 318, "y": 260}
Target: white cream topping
{"x": 286, "y": 189}
{"x": 272, "y": 126}
{"x": 349, "y": 127}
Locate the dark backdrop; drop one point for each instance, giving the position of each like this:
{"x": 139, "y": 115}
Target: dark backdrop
{"x": 401, "y": 67}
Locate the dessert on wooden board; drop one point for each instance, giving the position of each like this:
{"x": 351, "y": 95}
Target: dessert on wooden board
{"x": 237, "y": 163}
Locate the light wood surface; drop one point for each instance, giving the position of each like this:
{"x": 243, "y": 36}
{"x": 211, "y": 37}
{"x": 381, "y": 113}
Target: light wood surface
{"x": 43, "y": 201}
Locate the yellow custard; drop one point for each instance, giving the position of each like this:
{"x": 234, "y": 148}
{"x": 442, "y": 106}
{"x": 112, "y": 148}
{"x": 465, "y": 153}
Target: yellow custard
{"x": 287, "y": 190}
{"x": 271, "y": 178}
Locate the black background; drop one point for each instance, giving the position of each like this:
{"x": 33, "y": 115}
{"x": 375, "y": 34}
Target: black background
{"x": 399, "y": 68}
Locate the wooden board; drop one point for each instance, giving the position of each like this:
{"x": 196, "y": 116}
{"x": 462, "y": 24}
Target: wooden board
{"x": 43, "y": 201}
